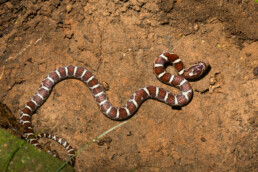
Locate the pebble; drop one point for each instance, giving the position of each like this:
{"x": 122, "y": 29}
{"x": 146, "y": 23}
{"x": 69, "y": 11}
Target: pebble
{"x": 256, "y": 71}
{"x": 68, "y": 8}
{"x": 203, "y": 139}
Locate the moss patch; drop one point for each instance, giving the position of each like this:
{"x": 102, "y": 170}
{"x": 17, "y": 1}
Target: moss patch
{"x": 17, "y": 155}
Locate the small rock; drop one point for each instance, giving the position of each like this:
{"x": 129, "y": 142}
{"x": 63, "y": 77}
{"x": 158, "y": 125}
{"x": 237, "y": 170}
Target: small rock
{"x": 203, "y": 139}
{"x": 106, "y": 86}
{"x": 68, "y": 8}
{"x": 213, "y": 81}
{"x": 248, "y": 54}
{"x": 256, "y": 71}
{"x": 101, "y": 142}
{"x": 129, "y": 133}
{"x": 196, "y": 27}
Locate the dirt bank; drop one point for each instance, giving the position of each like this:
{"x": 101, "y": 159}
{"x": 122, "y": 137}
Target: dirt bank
{"x": 118, "y": 41}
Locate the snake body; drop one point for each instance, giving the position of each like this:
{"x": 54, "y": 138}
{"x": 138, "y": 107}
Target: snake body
{"x": 98, "y": 92}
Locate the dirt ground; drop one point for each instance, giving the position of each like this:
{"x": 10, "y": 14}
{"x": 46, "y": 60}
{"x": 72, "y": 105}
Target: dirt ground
{"x": 118, "y": 41}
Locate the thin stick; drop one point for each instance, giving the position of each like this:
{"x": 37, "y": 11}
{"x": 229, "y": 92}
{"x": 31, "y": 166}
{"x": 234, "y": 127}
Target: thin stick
{"x": 87, "y": 145}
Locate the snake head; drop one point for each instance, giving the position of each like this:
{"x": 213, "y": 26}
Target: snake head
{"x": 195, "y": 71}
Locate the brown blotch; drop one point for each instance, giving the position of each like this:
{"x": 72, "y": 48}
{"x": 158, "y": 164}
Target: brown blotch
{"x": 166, "y": 77}
{"x": 27, "y": 125}
{"x": 177, "y": 80}
{"x": 122, "y": 113}
{"x": 179, "y": 66}
{"x": 190, "y": 95}
{"x": 27, "y": 111}
{"x": 105, "y": 107}
{"x": 161, "y": 94}
{"x": 33, "y": 142}
{"x": 31, "y": 105}
{"x": 140, "y": 96}
{"x": 131, "y": 107}
{"x": 181, "y": 100}
{"x": 144, "y": 94}
{"x": 70, "y": 70}
{"x": 93, "y": 82}
{"x": 152, "y": 90}
{"x": 186, "y": 86}
{"x": 43, "y": 93}
{"x": 87, "y": 76}
{"x": 54, "y": 76}
{"x": 29, "y": 131}
{"x": 26, "y": 118}
{"x": 72, "y": 152}
{"x": 79, "y": 72}
{"x": 61, "y": 70}
{"x": 37, "y": 99}
{"x": 160, "y": 60}
{"x": 171, "y": 99}
{"x": 97, "y": 90}
{"x": 171, "y": 57}
{"x": 112, "y": 113}
{"x": 101, "y": 98}
{"x": 47, "y": 83}
{"x": 159, "y": 70}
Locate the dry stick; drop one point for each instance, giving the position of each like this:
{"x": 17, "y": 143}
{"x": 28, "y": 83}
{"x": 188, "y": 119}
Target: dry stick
{"x": 87, "y": 145}
{"x": 19, "y": 53}
{"x": 2, "y": 73}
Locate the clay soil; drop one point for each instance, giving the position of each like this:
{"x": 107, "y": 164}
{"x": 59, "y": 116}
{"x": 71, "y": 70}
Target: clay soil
{"x": 118, "y": 41}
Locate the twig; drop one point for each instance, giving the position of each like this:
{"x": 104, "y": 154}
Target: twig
{"x": 19, "y": 53}
{"x": 87, "y": 145}
{"x": 2, "y": 73}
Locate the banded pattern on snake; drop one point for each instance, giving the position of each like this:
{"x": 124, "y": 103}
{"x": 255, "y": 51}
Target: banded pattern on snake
{"x": 97, "y": 90}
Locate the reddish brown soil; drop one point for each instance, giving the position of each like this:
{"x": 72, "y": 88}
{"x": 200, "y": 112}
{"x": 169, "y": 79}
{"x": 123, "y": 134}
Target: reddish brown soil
{"x": 118, "y": 41}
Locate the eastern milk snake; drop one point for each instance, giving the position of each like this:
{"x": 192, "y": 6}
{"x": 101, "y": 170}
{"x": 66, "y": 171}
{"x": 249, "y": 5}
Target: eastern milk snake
{"x": 98, "y": 92}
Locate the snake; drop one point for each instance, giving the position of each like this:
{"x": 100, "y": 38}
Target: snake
{"x": 179, "y": 81}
